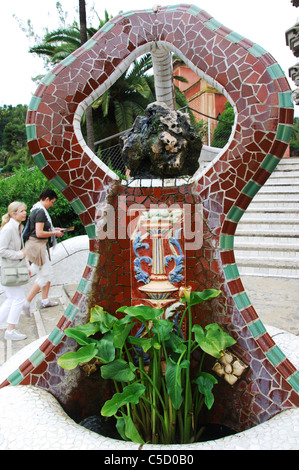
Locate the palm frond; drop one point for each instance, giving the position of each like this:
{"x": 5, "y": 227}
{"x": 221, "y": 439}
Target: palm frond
{"x": 123, "y": 115}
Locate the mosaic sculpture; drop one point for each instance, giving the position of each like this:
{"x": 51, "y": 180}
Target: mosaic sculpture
{"x": 256, "y": 86}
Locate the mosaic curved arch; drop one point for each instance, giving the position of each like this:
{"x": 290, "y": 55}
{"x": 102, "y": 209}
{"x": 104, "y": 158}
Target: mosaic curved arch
{"x": 256, "y": 86}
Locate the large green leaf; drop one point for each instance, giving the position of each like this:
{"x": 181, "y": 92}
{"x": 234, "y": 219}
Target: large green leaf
{"x": 162, "y": 328}
{"x": 144, "y": 343}
{"x": 120, "y": 333}
{"x": 205, "y": 382}
{"x": 89, "y": 329}
{"x": 175, "y": 343}
{"x": 104, "y": 319}
{"x": 199, "y": 297}
{"x": 79, "y": 336}
{"x": 128, "y": 430}
{"x": 71, "y": 360}
{"x": 130, "y": 394}
{"x": 173, "y": 378}
{"x": 213, "y": 340}
{"x": 118, "y": 370}
{"x": 131, "y": 431}
{"x": 106, "y": 349}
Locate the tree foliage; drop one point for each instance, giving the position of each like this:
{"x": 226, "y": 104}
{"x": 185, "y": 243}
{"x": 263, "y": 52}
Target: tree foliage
{"x": 294, "y": 142}
{"x": 13, "y": 141}
{"x": 224, "y": 127}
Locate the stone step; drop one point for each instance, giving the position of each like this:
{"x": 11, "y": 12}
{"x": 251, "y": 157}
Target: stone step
{"x": 286, "y": 168}
{"x": 281, "y": 215}
{"x": 266, "y": 241}
{"x": 264, "y": 271}
{"x": 267, "y": 262}
{"x": 276, "y": 249}
{"x": 282, "y": 181}
{"x": 258, "y": 228}
{"x": 270, "y": 189}
{"x": 261, "y": 240}
{"x": 277, "y": 204}
{"x": 288, "y": 161}
{"x": 286, "y": 173}
{"x": 274, "y": 196}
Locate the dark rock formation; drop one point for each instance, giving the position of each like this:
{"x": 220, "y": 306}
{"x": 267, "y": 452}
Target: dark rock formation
{"x": 161, "y": 144}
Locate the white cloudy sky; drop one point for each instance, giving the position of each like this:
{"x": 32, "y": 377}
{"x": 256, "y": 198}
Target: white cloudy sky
{"x": 262, "y": 21}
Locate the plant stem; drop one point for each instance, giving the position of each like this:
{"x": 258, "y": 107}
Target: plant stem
{"x": 188, "y": 396}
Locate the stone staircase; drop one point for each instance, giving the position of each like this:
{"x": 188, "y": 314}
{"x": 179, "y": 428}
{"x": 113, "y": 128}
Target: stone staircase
{"x": 267, "y": 236}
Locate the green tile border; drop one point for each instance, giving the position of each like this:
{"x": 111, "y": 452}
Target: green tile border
{"x": 34, "y": 103}
{"x": 89, "y": 44}
{"x": 93, "y": 259}
{"x": 84, "y": 286}
{"x": 235, "y": 214}
{"x": 275, "y": 355}
{"x": 285, "y": 99}
{"x": 107, "y": 27}
{"x": 58, "y": 183}
{"x": 68, "y": 60}
{"x": 71, "y": 311}
{"x": 231, "y": 272}
{"x": 294, "y": 381}
{"x": 37, "y": 357}
{"x": 251, "y": 188}
{"x": 194, "y": 10}
{"x": 48, "y": 79}
{"x": 78, "y": 206}
{"x": 31, "y": 132}
{"x": 257, "y": 328}
{"x": 56, "y": 336}
{"x": 16, "y": 377}
{"x": 270, "y": 162}
{"x": 234, "y": 37}
{"x": 257, "y": 50}
{"x": 91, "y": 231}
{"x": 40, "y": 160}
{"x": 275, "y": 71}
{"x": 227, "y": 242}
{"x": 284, "y": 132}
{"x": 213, "y": 24}
{"x": 242, "y": 300}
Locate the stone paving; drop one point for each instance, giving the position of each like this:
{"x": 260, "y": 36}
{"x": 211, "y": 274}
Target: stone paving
{"x": 276, "y": 301}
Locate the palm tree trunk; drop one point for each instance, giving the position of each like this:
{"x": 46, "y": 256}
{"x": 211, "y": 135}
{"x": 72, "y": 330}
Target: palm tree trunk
{"x": 88, "y": 111}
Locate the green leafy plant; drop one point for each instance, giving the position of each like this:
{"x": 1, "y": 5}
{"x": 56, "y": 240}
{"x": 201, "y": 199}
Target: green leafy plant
{"x": 158, "y": 397}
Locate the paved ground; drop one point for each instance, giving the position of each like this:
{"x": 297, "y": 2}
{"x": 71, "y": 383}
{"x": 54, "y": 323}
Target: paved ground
{"x": 276, "y": 301}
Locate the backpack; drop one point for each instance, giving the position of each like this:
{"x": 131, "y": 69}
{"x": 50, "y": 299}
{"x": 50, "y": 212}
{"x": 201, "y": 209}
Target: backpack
{"x": 26, "y": 231}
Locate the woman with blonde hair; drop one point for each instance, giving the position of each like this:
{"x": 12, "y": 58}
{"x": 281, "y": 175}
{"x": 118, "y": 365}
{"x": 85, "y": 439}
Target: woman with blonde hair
{"x": 11, "y": 247}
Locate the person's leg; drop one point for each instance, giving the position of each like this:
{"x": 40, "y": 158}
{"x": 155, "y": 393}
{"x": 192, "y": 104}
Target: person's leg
{"x": 47, "y": 274}
{"x": 45, "y": 291}
{"x": 17, "y": 302}
{"x": 5, "y": 307}
{"x": 32, "y": 293}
